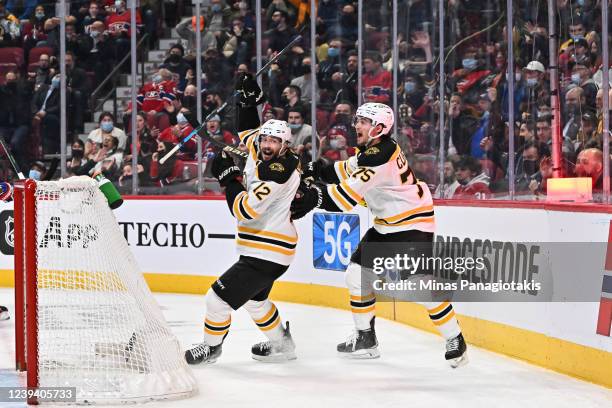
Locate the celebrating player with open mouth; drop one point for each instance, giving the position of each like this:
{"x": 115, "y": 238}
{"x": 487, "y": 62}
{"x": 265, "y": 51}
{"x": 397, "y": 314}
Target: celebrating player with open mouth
{"x": 266, "y": 239}
{"x": 379, "y": 175}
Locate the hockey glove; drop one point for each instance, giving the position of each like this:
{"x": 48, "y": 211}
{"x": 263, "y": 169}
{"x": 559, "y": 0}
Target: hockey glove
{"x": 250, "y": 93}
{"x": 224, "y": 169}
{"x": 307, "y": 199}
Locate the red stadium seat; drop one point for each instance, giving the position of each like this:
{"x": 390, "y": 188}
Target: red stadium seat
{"x": 4, "y": 68}
{"x": 11, "y": 55}
{"x": 36, "y": 52}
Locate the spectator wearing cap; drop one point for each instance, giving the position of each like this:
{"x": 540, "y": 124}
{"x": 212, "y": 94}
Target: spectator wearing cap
{"x": 176, "y": 64}
{"x": 587, "y": 133}
{"x": 537, "y": 88}
{"x": 281, "y": 33}
{"x": 376, "y": 81}
{"x": 473, "y": 183}
{"x": 214, "y": 130}
{"x": 10, "y": 28}
{"x": 581, "y": 76}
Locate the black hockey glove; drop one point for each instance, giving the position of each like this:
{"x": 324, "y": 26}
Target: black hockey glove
{"x": 224, "y": 169}
{"x": 250, "y": 93}
{"x": 307, "y": 199}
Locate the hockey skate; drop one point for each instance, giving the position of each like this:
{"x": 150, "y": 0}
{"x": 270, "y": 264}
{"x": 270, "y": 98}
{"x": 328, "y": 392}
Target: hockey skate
{"x": 275, "y": 351}
{"x": 203, "y": 354}
{"x": 4, "y": 313}
{"x": 456, "y": 351}
{"x": 362, "y": 344}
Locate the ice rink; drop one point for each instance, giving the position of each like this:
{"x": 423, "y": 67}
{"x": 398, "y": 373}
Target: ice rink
{"x": 412, "y": 371}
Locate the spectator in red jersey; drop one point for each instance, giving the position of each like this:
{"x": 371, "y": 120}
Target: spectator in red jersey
{"x": 120, "y": 29}
{"x": 473, "y": 183}
{"x": 377, "y": 82}
{"x": 156, "y": 97}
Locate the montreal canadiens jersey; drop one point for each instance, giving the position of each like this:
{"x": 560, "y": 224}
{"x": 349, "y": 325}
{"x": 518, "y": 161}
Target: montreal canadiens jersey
{"x": 265, "y": 229}
{"x": 380, "y": 176}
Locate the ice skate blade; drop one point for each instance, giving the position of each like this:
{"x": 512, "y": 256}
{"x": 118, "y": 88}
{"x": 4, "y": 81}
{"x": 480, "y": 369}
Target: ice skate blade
{"x": 363, "y": 354}
{"x": 279, "y": 358}
{"x": 459, "y": 361}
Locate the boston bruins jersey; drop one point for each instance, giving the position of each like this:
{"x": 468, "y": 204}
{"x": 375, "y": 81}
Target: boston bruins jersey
{"x": 265, "y": 229}
{"x": 380, "y": 176}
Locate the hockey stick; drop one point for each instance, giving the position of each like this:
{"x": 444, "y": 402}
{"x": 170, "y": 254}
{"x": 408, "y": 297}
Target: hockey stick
{"x": 220, "y": 109}
{"x": 11, "y": 158}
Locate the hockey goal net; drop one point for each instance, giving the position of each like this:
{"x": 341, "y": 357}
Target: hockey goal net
{"x": 85, "y": 317}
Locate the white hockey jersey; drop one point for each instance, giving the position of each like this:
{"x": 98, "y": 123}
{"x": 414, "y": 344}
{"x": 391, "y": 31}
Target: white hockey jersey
{"x": 381, "y": 176}
{"x": 265, "y": 229}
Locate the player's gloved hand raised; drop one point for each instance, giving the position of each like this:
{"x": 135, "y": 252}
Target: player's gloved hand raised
{"x": 307, "y": 199}
{"x": 224, "y": 169}
{"x": 250, "y": 93}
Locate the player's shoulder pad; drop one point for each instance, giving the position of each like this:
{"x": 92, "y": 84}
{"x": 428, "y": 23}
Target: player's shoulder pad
{"x": 378, "y": 154}
{"x": 278, "y": 170}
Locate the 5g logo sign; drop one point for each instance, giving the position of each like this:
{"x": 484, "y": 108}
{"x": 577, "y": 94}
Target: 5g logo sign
{"x": 335, "y": 238}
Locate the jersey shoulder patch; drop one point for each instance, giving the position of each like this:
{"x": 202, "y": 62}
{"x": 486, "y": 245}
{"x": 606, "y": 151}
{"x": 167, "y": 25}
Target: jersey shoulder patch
{"x": 278, "y": 170}
{"x": 376, "y": 155}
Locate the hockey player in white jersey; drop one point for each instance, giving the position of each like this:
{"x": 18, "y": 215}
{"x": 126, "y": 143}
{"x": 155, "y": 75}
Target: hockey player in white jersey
{"x": 379, "y": 175}
{"x": 266, "y": 239}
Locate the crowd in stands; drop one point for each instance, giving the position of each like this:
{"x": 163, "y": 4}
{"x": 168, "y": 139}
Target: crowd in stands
{"x": 476, "y": 99}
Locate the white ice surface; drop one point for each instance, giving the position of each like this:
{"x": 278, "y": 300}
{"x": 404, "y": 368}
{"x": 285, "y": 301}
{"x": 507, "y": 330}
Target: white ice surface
{"x": 411, "y": 373}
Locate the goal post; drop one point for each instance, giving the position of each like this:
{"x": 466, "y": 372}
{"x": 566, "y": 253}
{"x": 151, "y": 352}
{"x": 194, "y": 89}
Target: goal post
{"x": 85, "y": 317}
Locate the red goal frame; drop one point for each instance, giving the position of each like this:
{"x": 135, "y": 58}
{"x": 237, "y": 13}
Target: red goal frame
{"x": 26, "y": 271}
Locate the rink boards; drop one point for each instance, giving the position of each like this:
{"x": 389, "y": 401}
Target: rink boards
{"x": 181, "y": 244}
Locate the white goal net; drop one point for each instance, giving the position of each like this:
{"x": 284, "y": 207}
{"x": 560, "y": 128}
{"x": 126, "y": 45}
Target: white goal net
{"x": 99, "y": 327}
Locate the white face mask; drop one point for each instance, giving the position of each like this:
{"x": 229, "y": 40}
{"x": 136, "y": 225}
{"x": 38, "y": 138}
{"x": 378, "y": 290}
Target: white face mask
{"x": 181, "y": 119}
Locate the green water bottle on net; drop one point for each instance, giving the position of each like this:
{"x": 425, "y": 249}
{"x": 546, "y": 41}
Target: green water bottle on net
{"x": 110, "y": 192}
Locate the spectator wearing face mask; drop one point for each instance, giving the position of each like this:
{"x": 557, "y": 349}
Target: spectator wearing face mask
{"x": 46, "y": 110}
{"x": 38, "y": 171}
{"x": 34, "y": 31}
{"x": 213, "y": 128}
{"x": 334, "y": 146}
{"x": 528, "y": 163}
{"x": 473, "y": 183}
{"x": 581, "y": 76}
{"x": 107, "y": 127}
{"x": 176, "y": 64}
{"x": 119, "y": 27}
{"x": 158, "y": 96}
{"x": 341, "y": 119}
{"x": 101, "y": 51}
{"x": 469, "y": 79}
{"x": 537, "y": 87}
{"x": 304, "y": 82}
{"x": 300, "y": 131}
{"x": 447, "y": 188}
{"x": 77, "y": 158}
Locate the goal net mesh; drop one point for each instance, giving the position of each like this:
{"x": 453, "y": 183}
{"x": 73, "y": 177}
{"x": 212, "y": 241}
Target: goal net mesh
{"x": 99, "y": 327}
